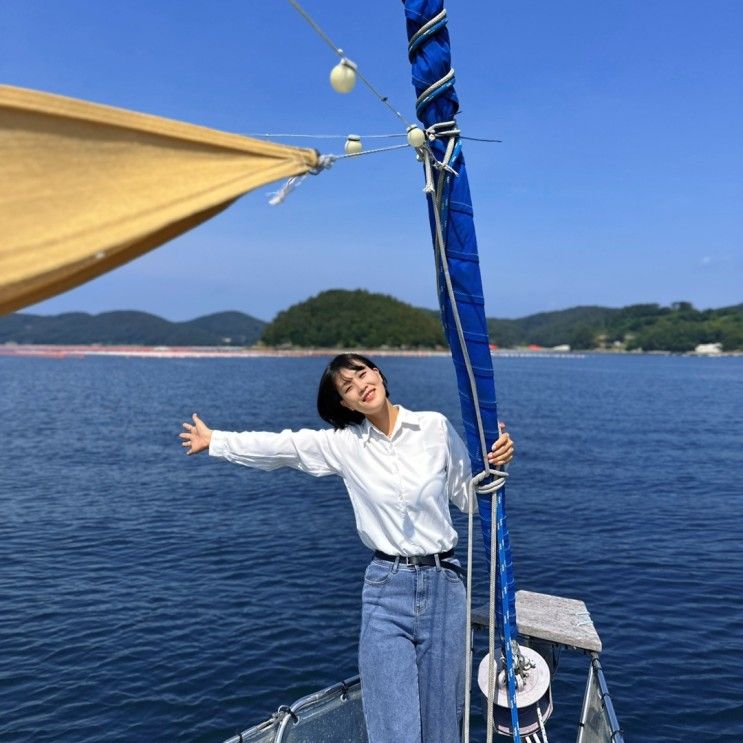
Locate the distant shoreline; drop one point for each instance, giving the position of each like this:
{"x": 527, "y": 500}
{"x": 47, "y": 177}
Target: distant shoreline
{"x": 679, "y": 328}
{"x": 221, "y": 352}
{"x": 188, "y": 352}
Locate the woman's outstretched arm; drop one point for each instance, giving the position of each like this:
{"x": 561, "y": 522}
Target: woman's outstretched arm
{"x": 314, "y": 452}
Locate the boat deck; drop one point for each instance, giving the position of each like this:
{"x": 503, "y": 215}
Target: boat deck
{"x": 548, "y": 623}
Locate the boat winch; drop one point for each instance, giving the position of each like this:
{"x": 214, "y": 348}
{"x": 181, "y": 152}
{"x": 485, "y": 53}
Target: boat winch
{"x": 533, "y": 695}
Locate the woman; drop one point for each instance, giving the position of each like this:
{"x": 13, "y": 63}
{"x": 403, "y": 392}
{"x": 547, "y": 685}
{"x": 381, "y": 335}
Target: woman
{"x": 401, "y": 469}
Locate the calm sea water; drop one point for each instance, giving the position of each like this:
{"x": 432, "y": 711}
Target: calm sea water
{"x": 145, "y": 595}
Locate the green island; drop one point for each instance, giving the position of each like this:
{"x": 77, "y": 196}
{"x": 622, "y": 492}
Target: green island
{"x": 341, "y": 318}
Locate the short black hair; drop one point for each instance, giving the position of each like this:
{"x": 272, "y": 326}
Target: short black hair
{"x": 328, "y": 398}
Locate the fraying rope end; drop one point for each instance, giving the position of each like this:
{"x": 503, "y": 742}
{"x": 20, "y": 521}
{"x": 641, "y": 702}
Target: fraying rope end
{"x": 277, "y": 197}
{"x": 324, "y": 162}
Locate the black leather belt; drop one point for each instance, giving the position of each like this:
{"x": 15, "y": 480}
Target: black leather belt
{"x": 424, "y": 560}
{"x": 414, "y": 559}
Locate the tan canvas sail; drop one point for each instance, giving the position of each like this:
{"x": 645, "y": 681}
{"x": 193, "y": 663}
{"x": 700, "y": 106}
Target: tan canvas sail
{"x": 85, "y": 188}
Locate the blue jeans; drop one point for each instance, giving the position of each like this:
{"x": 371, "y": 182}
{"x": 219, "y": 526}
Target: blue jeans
{"x": 412, "y": 653}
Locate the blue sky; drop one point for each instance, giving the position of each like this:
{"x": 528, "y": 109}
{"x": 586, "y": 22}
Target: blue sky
{"x": 619, "y": 178}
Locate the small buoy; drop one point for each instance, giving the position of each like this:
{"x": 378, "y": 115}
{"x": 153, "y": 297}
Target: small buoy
{"x": 534, "y": 693}
{"x": 353, "y": 144}
{"x": 416, "y": 136}
{"x": 343, "y": 76}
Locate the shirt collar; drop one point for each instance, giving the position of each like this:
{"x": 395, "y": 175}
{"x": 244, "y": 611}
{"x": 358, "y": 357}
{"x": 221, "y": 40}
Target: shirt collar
{"x": 404, "y": 417}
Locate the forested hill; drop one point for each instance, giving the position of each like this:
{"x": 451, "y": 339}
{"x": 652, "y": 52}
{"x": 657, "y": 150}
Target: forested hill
{"x": 348, "y": 319}
{"x": 131, "y": 328}
{"x": 355, "y": 319}
{"x": 649, "y": 327}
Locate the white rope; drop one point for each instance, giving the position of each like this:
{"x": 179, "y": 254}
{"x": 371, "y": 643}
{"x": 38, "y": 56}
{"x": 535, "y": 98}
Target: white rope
{"x": 441, "y": 247}
{"x": 321, "y": 136}
{"x": 468, "y": 623}
{"x": 277, "y": 197}
{"x": 373, "y": 152}
{"x": 491, "y": 487}
{"x": 541, "y": 724}
{"x": 491, "y": 616}
{"x": 474, "y": 487}
{"x": 429, "y": 187}
{"x": 424, "y": 29}
{"x": 435, "y": 86}
{"x": 494, "y": 486}
{"x": 325, "y": 162}
{"x": 287, "y": 135}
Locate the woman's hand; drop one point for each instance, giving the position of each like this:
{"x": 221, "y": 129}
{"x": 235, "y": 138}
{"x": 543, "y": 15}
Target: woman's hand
{"x": 503, "y": 449}
{"x": 197, "y": 437}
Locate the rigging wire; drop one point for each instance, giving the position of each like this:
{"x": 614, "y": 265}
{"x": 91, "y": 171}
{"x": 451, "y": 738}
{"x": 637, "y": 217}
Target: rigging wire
{"x": 343, "y": 136}
{"x": 383, "y": 98}
{"x": 373, "y": 152}
{"x": 315, "y": 27}
{"x": 326, "y": 136}
{"x": 480, "y": 139}
{"x": 326, "y": 162}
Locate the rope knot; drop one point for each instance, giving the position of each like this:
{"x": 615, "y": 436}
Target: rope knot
{"x": 489, "y": 488}
{"x": 324, "y": 162}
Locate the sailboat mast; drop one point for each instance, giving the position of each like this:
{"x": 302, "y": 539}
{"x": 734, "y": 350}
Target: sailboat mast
{"x": 460, "y": 290}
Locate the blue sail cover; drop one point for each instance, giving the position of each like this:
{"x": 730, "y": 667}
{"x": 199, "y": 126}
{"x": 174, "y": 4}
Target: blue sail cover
{"x": 431, "y": 61}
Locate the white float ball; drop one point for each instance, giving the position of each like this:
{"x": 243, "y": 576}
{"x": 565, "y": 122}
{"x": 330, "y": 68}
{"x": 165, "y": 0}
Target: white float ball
{"x": 416, "y": 136}
{"x": 353, "y": 144}
{"x": 343, "y": 76}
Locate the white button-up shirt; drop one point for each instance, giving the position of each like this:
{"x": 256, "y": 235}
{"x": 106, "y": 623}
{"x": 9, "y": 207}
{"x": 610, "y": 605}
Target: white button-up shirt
{"x": 400, "y": 485}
